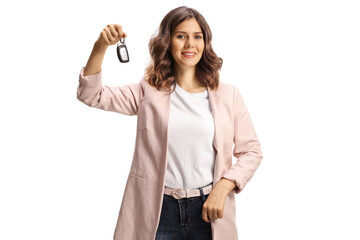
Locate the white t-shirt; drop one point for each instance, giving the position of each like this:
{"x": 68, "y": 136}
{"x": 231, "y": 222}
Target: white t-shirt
{"x": 191, "y": 155}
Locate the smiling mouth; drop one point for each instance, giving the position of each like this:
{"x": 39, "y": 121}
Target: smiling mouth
{"x": 188, "y": 55}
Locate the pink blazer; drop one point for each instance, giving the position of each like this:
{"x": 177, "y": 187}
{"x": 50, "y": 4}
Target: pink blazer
{"x": 140, "y": 209}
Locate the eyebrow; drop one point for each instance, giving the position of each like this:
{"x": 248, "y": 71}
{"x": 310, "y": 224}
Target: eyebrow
{"x": 186, "y": 32}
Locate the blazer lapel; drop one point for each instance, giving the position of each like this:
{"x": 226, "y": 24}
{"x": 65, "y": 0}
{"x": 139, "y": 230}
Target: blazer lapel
{"x": 217, "y": 131}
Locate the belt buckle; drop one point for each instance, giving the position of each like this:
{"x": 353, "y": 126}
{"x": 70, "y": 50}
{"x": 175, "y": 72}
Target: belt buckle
{"x": 173, "y": 193}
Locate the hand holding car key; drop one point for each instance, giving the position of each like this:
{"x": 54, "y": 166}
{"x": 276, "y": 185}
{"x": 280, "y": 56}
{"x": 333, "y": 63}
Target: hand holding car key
{"x": 112, "y": 34}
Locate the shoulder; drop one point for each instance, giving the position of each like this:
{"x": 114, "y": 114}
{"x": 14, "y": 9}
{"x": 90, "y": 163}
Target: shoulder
{"x": 146, "y": 85}
{"x": 226, "y": 86}
{"x": 226, "y": 89}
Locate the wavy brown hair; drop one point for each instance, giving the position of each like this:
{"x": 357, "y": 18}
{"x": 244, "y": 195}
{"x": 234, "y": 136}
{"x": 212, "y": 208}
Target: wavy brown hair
{"x": 161, "y": 71}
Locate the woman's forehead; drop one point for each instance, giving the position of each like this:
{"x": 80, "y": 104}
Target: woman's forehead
{"x": 189, "y": 25}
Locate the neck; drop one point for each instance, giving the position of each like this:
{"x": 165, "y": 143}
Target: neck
{"x": 185, "y": 77}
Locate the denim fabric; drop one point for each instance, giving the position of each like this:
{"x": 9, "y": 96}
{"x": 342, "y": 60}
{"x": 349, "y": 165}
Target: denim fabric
{"x": 181, "y": 219}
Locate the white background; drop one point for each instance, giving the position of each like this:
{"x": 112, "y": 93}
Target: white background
{"x": 64, "y": 165}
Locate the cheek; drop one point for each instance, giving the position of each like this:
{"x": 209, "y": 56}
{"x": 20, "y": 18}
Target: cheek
{"x": 176, "y": 51}
{"x": 201, "y": 48}
{"x": 176, "y": 45}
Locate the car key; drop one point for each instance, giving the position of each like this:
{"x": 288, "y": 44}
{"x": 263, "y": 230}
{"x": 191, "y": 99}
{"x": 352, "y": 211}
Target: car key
{"x": 122, "y": 51}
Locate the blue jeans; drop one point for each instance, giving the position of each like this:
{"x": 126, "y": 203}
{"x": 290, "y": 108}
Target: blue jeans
{"x": 181, "y": 219}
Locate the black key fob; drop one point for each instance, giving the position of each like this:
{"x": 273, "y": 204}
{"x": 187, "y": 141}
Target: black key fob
{"x": 122, "y": 51}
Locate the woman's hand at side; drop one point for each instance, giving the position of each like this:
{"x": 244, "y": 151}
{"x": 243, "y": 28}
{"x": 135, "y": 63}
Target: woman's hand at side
{"x": 213, "y": 207}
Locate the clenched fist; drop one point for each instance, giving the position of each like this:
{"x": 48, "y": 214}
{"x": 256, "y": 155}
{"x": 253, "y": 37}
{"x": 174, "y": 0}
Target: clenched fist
{"x": 110, "y": 35}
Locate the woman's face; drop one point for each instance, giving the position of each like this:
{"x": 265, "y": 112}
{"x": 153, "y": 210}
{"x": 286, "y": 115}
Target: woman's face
{"x": 187, "y": 44}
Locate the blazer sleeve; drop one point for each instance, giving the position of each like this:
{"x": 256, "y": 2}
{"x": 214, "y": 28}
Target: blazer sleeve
{"x": 121, "y": 99}
{"x": 247, "y": 148}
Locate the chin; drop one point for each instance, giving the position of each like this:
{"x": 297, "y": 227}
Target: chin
{"x": 192, "y": 64}
{"x": 188, "y": 65}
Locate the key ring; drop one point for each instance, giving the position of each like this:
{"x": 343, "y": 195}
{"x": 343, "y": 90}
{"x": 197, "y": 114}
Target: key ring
{"x": 122, "y": 41}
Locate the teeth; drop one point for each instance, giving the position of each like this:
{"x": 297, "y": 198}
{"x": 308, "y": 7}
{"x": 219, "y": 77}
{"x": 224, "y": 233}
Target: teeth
{"x": 189, "y": 54}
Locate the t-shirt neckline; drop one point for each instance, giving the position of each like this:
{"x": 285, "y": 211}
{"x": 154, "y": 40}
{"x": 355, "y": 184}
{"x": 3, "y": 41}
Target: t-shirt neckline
{"x": 181, "y": 90}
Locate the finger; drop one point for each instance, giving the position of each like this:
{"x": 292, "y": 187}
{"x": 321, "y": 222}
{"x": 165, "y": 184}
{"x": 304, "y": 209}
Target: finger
{"x": 220, "y": 214}
{"x": 113, "y": 31}
{"x": 120, "y": 30}
{"x": 212, "y": 214}
{"x": 110, "y": 37}
{"x": 215, "y": 213}
{"x": 204, "y": 215}
{"x": 103, "y": 35}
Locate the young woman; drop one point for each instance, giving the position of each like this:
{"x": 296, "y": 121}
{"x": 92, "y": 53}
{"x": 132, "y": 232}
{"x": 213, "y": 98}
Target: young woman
{"x": 182, "y": 181}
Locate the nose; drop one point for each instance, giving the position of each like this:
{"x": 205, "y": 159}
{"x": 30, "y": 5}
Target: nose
{"x": 189, "y": 42}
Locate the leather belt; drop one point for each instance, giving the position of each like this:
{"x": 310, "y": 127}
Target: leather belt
{"x": 179, "y": 193}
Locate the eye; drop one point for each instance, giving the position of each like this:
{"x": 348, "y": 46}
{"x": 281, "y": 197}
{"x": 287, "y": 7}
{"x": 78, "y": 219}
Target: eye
{"x": 180, "y": 36}
{"x": 198, "y": 37}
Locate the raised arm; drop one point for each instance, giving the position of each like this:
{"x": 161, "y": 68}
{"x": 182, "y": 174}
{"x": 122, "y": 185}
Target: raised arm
{"x": 91, "y": 91}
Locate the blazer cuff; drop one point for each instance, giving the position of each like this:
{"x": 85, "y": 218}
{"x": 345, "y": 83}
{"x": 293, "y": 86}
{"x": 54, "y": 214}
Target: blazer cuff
{"x": 240, "y": 183}
{"x": 90, "y": 81}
